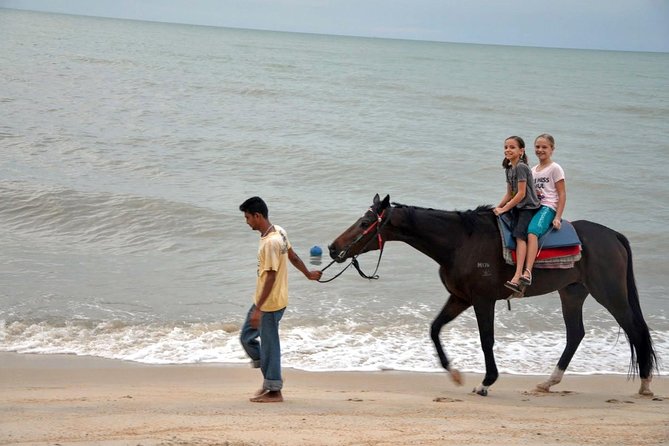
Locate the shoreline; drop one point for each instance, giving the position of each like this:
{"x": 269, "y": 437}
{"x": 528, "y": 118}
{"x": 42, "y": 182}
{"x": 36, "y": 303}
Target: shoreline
{"x": 63, "y": 399}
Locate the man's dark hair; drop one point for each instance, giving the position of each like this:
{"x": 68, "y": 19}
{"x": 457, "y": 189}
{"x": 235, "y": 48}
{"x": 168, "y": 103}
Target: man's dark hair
{"x": 255, "y": 205}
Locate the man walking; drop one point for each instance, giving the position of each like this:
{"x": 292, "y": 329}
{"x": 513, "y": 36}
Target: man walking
{"x": 271, "y": 298}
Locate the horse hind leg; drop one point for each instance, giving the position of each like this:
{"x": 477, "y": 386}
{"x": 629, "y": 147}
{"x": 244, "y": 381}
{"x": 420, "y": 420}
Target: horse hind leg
{"x": 619, "y": 295}
{"x": 643, "y": 353}
{"x": 641, "y": 346}
{"x": 572, "y": 298}
{"x": 627, "y": 313}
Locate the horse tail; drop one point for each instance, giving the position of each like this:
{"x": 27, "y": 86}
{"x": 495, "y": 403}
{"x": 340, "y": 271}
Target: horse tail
{"x": 643, "y": 358}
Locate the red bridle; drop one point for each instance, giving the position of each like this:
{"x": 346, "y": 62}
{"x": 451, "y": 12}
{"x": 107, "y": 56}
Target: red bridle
{"x": 378, "y": 224}
{"x": 379, "y": 219}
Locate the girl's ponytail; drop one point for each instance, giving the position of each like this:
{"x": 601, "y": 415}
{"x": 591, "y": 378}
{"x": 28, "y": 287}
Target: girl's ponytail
{"x": 523, "y": 157}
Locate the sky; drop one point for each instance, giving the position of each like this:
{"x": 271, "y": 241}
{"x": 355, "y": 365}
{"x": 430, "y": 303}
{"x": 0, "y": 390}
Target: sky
{"x": 628, "y": 25}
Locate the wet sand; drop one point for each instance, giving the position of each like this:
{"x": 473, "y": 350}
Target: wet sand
{"x": 68, "y": 400}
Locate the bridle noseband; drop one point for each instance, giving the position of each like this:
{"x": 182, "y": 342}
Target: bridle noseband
{"x": 381, "y": 220}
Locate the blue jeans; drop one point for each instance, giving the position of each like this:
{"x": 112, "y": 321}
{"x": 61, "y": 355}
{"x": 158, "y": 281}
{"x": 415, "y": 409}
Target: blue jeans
{"x": 267, "y": 352}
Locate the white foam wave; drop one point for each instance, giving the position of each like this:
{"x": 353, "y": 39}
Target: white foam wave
{"x": 323, "y": 349}
{"x": 152, "y": 344}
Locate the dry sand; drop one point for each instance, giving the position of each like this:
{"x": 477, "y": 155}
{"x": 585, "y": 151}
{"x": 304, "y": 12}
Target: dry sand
{"x": 64, "y": 400}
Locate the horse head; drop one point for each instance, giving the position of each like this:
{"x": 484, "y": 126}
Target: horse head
{"x": 363, "y": 235}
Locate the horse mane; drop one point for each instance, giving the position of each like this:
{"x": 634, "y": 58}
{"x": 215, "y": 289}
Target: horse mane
{"x": 472, "y": 220}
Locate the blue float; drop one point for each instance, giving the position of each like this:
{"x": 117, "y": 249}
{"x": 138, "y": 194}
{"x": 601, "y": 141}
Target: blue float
{"x": 316, "y": 251}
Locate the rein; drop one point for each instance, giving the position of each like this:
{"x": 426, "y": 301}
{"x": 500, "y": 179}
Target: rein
{"x": 378, "y": 224}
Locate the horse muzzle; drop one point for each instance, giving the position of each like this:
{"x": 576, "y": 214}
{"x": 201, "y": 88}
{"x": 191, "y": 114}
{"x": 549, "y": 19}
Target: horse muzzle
{"x": 336, "y": 255}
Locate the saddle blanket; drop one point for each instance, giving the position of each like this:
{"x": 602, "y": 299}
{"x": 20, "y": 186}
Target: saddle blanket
{"x": 557, "y": 248}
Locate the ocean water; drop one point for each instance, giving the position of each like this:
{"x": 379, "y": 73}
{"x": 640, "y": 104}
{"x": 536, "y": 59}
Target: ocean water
{"x": 128, "y": 146}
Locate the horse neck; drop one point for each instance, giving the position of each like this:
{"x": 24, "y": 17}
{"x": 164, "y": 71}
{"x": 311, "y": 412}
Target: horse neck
{"x": 434, "y": 233}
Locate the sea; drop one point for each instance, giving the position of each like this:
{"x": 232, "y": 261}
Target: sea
{"x": 128, "y": 146}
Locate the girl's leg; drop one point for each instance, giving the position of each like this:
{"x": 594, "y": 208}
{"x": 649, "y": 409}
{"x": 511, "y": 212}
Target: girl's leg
{"x": 521, "y": 254}
{"x": 532, "y": 250}
{"x": 539, "y": 225}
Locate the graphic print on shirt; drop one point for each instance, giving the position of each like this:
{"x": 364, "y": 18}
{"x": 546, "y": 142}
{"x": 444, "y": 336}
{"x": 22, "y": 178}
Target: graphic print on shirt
{"x": 269, "y": 248}
{"x": 539, "y": 185}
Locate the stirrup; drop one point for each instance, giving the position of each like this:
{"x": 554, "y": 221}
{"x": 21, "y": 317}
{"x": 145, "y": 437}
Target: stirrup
{"x": 515, "y": 295}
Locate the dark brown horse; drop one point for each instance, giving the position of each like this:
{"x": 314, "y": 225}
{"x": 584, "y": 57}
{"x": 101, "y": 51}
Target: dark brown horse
{"x": 468, "y": 249}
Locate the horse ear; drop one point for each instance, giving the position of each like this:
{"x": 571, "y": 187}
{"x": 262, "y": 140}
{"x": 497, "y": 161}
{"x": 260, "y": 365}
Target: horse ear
{"x": 386, "y": 202}
{"x": 376, "y": 199}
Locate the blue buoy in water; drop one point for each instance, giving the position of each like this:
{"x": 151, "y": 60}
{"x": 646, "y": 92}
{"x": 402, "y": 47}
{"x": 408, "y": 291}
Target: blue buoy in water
{"x": 315, "y": 255}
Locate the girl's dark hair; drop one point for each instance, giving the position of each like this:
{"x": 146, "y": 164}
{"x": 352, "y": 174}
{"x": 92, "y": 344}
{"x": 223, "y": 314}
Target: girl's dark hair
{"x": 254, "y": 205}
{"x": 506, "y": 163}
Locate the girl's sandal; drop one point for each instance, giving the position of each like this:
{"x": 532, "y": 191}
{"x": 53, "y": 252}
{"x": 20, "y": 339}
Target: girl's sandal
{"x": 526, "y": 279}
{"x": 513, "y": 286}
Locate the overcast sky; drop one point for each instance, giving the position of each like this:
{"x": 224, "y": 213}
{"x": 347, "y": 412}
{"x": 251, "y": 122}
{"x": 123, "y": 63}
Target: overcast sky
{"x": 634, "y": 25}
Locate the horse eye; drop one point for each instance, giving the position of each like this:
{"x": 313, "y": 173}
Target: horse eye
{"x": 364, "y": 224}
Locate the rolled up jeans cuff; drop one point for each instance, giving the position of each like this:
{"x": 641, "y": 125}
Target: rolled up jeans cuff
{"x": 272, "y": 385}
{"x": 255, "y": 363}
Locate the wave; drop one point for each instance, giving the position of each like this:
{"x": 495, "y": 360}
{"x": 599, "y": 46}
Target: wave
{"x": 645, "y": 111}
{"x": 314, "y": 349}
{"x": 120, "y": 222}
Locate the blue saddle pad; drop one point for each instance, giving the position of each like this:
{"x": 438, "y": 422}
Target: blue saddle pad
{"x": 555, "y": 238}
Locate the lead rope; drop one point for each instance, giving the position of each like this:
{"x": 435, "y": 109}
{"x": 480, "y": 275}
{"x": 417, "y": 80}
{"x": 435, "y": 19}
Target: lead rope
{"x": 337, "y": 275}
{"x": 354, "y": 259}
{"x": 354, "y": 262}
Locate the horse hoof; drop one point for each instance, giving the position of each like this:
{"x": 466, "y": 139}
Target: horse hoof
{"x": 456, "y": 376}
{"x": 645, "y": 387}
{"x": 480, "y": 391}
{"x": 543, "y": 387}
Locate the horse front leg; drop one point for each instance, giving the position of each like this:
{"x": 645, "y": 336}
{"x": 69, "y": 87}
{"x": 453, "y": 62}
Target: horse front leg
{"x": 572, "y": 298}
{"x": 485, "y": 318}
{"x": 453, "y": 307}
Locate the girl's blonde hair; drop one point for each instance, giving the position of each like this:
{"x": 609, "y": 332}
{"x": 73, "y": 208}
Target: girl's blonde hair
{"x": 547, "y": 137}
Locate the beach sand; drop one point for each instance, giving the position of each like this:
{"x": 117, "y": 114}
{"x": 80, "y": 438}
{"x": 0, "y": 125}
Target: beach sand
{"x": 63, "y": 400}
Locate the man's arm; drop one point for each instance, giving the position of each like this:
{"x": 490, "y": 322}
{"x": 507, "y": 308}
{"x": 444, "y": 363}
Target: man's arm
{"x": 266, "y": 289}
{"x": 299, "y": 264}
